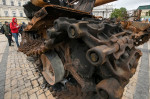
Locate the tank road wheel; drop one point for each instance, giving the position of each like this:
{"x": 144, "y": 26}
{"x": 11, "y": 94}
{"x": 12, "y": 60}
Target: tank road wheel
{"x": 109, "y": 89}
{"x": 53, "y": 69}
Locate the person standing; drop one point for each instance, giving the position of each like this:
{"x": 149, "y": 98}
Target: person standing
{"x": 22, "y": 27}
{"x": 7, "y": 32}
{"x": 14, "y": 30}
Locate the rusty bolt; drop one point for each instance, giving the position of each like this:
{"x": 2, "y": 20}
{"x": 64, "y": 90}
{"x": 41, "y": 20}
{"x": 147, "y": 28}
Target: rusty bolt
{"x": 72, "y": 31}
{"x": 94, "y": 57}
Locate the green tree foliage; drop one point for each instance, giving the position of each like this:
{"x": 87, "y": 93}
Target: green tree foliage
{"x": 120, "y": 14}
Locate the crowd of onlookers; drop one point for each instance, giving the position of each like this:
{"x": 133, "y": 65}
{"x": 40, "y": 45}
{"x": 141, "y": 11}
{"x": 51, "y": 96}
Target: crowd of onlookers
{"x": 12, "y": 30}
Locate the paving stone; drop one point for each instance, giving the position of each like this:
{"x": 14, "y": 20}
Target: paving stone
{"x": 36, "y": 74}
{"x": 18, "y": 73}
{"x": 15, "y": 95}
{"x": 50, "y": 96}
{"x": 7, "y": 87}
{"x": 47, "y": 93}
{"x": 20, "y": 78}
{"x": 7, "y": 95}
{"x": 129, "y": 95}
{"x": 41, "y": 80}
{"x": 124, "y": 97}
{"x": 30, "y": 92}
{"x": 42, "y": 96}
{"x": 14, "y": 87}
{"x": 28, "y": 83}
{"x": 33, "y": 96}
{"x": 21, "y": 82}
{"x": 39, "y": 92}
{"x": 25, "y": 90}
{"x": 22, "y": 87}
{"x": 15, "y": 90}
{"x": 24, "y": 96}
{"x": 7, "y": 81}
{"x": 35, "y": 83}
{"x": 14, "y": 82}
{"x": 34, "y": 78}
{"x": 30, "y": 73}
{"x": 31, "y": 76}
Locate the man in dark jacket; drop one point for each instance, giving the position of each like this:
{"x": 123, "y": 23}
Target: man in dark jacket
{"x": 22, "y": 27}
{"x": 7, "y": 32}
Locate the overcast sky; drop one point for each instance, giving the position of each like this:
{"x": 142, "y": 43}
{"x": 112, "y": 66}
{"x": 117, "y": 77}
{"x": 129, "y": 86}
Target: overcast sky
{"x": 130, "y": 4}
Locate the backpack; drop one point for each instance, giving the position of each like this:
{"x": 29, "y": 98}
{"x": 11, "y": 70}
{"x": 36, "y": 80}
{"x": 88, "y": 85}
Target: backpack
{"x": 9, "y": 29}
{"x": 2, "y": 29}
{"x": 21, "y": 29}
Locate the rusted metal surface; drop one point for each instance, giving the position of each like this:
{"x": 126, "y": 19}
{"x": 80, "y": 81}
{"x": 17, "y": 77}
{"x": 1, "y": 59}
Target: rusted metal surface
{"x": 94, "y": 54}
{"x": 101, "y": 2}
{"x": 82, "y": 5}
{"x": 73, "y": 6}
{"x": 96, "y": 58}
{"x": 141, "y": 33}
{"x": 53, "y": 69}
{"x": 106, "y": 88}
{"x": 44, "y": 19}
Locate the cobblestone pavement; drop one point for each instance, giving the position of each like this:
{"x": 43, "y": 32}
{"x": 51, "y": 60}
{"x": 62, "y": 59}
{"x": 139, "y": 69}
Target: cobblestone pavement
{"x": 19, "y": 78}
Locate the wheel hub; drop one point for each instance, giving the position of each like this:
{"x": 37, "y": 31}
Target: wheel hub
{"x": 53, "y": 69}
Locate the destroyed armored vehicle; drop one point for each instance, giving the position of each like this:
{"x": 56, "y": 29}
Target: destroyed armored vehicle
{"x": 80, "y": 56}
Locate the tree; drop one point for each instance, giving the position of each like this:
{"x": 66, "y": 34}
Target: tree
{"x": 120, "y": 14}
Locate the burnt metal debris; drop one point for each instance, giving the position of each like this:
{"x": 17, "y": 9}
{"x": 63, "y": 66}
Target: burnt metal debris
{"x": 141, "y": 31}
{"x": 80, "y": 55}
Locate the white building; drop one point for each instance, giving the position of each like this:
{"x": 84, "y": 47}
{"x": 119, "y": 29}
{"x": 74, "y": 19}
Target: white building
{"x": 103, "y": 10}
{"x": 12, "y": 8}
{"x": 131, "y": 12}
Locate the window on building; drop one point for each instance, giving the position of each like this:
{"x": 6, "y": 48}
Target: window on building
{"x": 4, "y": 2}
{"x": 21, "y": 14}
{"x": 19, "y": 3}
{"x": 12, "y": 3}
{"x": 25, "y": 2}
{"x": 14, "y": 13}
{"x": 6, "y": 13}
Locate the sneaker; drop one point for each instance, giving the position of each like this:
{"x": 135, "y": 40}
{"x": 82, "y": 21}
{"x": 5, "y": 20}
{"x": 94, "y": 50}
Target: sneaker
{"x": 11, "y": 45}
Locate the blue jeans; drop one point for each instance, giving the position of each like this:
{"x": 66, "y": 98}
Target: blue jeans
{"x": 15, "y": 35}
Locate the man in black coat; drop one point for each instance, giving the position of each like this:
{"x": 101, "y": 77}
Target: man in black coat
{"x": 7, "y": 32}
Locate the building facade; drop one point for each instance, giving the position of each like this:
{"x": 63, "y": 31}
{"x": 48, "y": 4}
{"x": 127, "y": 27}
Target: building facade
{"x": 103, "y": 10}
{"x": 12, "y": 8}
{"x": 145, "y": 12}
{"x": 131, "y": 12}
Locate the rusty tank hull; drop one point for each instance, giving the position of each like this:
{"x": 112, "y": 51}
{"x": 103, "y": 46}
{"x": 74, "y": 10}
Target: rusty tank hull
{"x": 79, "y": 55}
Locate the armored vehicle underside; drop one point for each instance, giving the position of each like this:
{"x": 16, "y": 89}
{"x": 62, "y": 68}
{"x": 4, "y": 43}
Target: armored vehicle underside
{"x": 80, "y": 56}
